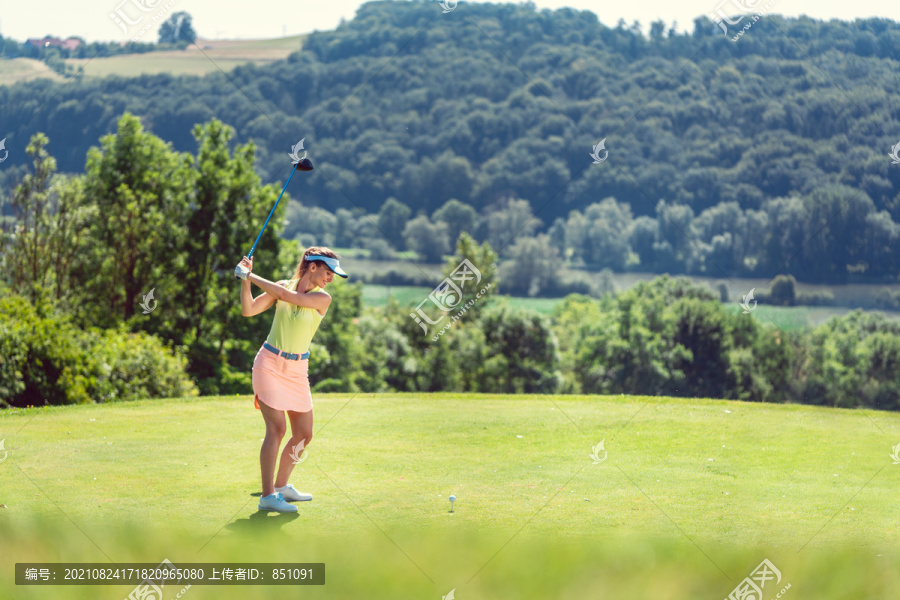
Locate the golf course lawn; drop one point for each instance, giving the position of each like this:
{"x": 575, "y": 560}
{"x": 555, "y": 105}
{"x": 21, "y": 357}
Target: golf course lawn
{"x": 689, "y": 497}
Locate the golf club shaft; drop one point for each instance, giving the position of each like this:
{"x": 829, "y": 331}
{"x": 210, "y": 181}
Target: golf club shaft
{"x": 271, "y": 212}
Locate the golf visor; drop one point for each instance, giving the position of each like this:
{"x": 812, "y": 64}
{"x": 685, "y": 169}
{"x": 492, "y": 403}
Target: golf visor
{"x": 333, "y": 263}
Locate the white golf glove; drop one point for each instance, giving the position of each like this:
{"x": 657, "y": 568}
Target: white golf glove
{"x": 241, "y": 272}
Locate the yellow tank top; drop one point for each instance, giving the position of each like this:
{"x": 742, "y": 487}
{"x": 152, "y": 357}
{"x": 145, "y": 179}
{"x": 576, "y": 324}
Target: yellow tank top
{"x": 294, "y": 326}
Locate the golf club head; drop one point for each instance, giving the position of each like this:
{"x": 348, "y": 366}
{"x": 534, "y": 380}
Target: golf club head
{"x": 305, "y": 165}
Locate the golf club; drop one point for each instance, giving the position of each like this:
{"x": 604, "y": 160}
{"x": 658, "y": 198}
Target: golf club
{"x": 300, "y": 164}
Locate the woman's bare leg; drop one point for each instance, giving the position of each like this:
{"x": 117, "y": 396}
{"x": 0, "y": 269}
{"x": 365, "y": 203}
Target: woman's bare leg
{"x": 301, "y": 433}
{"x": 268, "y": 454}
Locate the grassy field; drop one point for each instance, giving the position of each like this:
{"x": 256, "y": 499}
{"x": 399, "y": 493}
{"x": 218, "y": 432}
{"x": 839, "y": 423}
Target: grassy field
{"x": 542, "y": 305}
{"x": 210, "y": 57}
{"x": 788, "y": 318}
{"x": 406, "y": 295}
{"x": 687, "y": 498}
{"x": 377, "y": 296}
{"x": 17, "y": 70}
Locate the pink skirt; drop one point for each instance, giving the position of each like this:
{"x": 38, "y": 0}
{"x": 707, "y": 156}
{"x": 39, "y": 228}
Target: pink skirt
{"x": 280, "y": 383}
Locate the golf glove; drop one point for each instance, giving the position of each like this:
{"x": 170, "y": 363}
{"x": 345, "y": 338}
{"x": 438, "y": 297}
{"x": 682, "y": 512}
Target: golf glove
{"x": 241, "y": 272}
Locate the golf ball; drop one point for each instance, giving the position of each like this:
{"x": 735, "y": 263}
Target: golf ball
{"x": 452, "y": 498}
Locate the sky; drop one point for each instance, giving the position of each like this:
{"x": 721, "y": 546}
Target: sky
{"x": 240, "y": 19}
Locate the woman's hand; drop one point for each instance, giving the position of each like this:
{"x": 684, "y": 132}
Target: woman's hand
{"x": 243, "y": 269}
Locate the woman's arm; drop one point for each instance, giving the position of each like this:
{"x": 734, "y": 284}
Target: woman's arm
{"x": 317, "y": 300}
{"x": 251, "y": 306}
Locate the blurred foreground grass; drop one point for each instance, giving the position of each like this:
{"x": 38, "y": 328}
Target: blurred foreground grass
{"x": 431, "y": 564}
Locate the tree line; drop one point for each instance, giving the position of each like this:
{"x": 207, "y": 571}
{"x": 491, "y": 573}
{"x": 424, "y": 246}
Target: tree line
{"x": 814, "y": 234}
{"x": 118, "y": 284}
{"x": 725, "y": 158}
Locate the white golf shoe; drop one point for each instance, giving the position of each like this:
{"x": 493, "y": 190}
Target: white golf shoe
{"x": 291, "y": 494}
{"x": 275, "y": 502}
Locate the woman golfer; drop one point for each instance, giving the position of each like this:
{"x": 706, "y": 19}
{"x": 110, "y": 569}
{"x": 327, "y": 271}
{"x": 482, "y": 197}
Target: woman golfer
{"x": 280, "y": 381}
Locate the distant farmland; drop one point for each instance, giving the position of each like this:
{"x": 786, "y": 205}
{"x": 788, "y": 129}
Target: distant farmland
{"x": 17, "y": 70}
{"x": 208, "y": 56}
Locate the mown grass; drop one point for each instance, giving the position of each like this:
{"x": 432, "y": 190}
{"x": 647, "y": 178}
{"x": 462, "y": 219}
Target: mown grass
{"x": 690, "y": 493}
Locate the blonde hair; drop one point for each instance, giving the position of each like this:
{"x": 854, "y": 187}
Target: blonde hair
{"x": 312, "y": 251}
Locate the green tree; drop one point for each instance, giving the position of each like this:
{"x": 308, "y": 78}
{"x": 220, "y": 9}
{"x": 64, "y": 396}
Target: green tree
{"x": 575, "y": 318}
{"x": 669, "y": 337}
{"x": 336, "y": 352}
{"x": 178, "y": 28}
{"x": 392, "y": 219}
{"x": 851, "y": 362}
{"x": 475, "y": 291}
{"x": 458, "y": 218}
{"x": 521, "y": 352}
{"x": 141, "y": 187}
{"x": 534, "y": 266}
{"x": 600, "y": 237}
{"x": 426, "y": 239}
{"x": 625, "y": 351}
{"x": 70, "y": 233}
{"x": 388, "y": 359}
{"x": 48, "y": 231}
{"x": 783, "y": 291}
{"x": 227, "y": 209}
{"x": 309, "y": 225}
{"x": 512, "y": 219}
{"x": 701, "y": 328}
{"x": 440, "y": 369}
{"x": 674, "y": 248}
{"x": 27, "y": 260}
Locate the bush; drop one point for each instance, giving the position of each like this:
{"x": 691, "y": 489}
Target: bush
{"x": 379, "y": 249}
{"x": 521, "y": 353}
{"x": 563, "y": 289}
{"x": 823, "y": 298}
{"x": 47, "y": 360}
{"x": 783, "y": 291}
{"x": 330, "y": 386}
{"x": 887, "y": 299}
{"x": 854, "y": 360}
{"x": 395, "y": 277}
{"x": 133, "y": 366}
{"x": 42, "y": 361}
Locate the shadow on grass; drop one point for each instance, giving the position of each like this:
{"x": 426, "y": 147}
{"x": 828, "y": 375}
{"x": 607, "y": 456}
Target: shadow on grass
{"x": 262, "y": 521}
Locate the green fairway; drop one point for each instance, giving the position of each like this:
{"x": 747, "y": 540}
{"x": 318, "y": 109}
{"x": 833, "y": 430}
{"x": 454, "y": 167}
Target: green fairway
{"x": 702, "y": 485}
